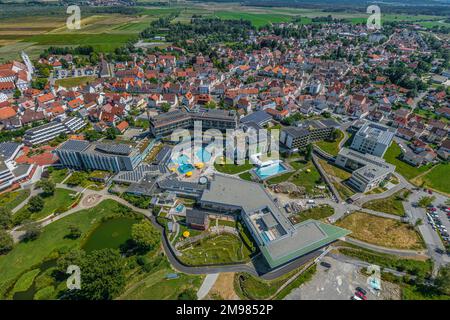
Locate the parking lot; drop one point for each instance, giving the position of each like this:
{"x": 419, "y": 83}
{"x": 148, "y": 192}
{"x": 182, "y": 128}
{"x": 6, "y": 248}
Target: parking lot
{"x": 339, "y": 282}
{"x": 438, "y": 216}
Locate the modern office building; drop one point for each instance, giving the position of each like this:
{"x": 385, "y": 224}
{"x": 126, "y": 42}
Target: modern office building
{"x": 51, "y": 130}
{"x": 109, "y": 156}
{"x": 165, "y": 123}
{"x": 373, "y": 138}
{"x": 10, "y": 172}
{"x": 279, "y": 240}
{"x": 367, "y": 170}
{"x": 307, "y": 132}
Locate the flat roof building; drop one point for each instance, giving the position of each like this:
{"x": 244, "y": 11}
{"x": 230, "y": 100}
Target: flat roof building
{"x": 109, "y": 156}
{"x": 165, "y": 123}
{"x": 51, "y": 130}
{"x": 278, "y": 239}
{"x": 307, "y": 132}
{"x": 367, "y": 170}
{"x": 373, "y": 138}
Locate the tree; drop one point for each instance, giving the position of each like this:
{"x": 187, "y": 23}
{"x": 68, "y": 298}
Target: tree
{"x": 36, "y": 204}
{"x": 188, "y": 294}
{"x": 426, "y": 201}
{"x": 32, "y": 230}
{"x": 76, "y": 178}
{"x": 102, "y": 275}
{"x": 74, "y": 232}
{"x": 309, "y": 150}
{"x": 6, "y": 242}
{"x": 144, "y": 235}
{"x": 165, "y": 107}
{"x": 111, "y": 133}
{"x": 418, "y": 223}
{"x": 17, "y": 94}
{"x": 442, "y": 281}
{"x": 5, "y": 217}
{"x": 47, "y": 186}
{"x": 73, "y": 257}
{"x": 92, "y": 135}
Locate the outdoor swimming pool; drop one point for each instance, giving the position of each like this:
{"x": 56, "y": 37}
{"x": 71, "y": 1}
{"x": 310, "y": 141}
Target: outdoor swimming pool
{"x": 184, "y": 162}
{"x": 266, "y": 172}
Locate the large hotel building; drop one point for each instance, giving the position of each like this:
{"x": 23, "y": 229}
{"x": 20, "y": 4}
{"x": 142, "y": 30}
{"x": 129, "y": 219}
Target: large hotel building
{"x": 165, "y": 123}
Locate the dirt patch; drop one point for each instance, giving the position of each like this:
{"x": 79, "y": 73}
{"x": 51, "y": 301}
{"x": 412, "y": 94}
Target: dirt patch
{"x": 223, "y": 288}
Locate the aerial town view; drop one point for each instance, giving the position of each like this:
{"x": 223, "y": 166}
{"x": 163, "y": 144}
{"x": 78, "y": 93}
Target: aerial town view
{"x": 224, "y": 150}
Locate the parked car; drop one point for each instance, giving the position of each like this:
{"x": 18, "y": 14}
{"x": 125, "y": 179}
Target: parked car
{"x": 364, "y": 292}
{"x": 325, "y": 264}
{"x": 361, "y": 295}
{"x": 355, "y": 298}
{"x": 439, "y": 250}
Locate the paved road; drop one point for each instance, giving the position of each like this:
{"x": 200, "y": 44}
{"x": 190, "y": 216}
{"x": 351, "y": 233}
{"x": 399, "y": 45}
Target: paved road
{"x": 207, "y": 284}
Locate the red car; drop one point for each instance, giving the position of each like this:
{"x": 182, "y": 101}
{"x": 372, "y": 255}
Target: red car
{"x": 361, "y": 295}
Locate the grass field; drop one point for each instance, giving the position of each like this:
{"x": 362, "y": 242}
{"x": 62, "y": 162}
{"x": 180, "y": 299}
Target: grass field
{"x": 155, "y": 286}
{"x": 343, "y": 190}
{"x": 393, "y": 154}
{"x": 334, "y": 170}
{"x": 231, "y": 168}
{"x": 62, "y": 198}
{"x": 57, "y": 175}
{"x": 412, "y": 266}
{"x": 381, "y": 231}
{"x": 73, "y": 82}
{"x": 434, "y": 178}
{"x": 316, "y": 213}
{"x": 392, "y": 204}
{"x": 10, "y": 200}
{"x": 224, "y": 248}
{"x": 53, "y": 237}
{"x": 253, "y": 288}
{"x": 331, "y": 147}
{"x": 307, "y": 176}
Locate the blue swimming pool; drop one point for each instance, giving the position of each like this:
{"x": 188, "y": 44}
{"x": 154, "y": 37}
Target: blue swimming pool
{"x": 203, "y": 155}
{"x": 266, "y": 172}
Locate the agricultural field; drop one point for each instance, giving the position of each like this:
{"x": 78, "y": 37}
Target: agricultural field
{"x": 106, "y": 32}
{"x": 380, "y": 231}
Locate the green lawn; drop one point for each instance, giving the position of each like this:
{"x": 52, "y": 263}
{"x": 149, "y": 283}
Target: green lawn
{"x": 73, "y": 82}
{"x": 393, "y": 155}
{"x": 334, "y": 171}
{"x": 61, "y": 199}
{"x": 280, "y": 178}
{"x": 223, "y": 248}
{"x": 231, "y": 168}
{"x": 331, "y": 147}
{"x": 308, "y": 180}
{"x": 316, "y": 213}
{"x": 250, "y": 287}
{"x": 155, "y": 286}
{"x": 435, "y": 178}
{"x": 10, "y": 200}
{"x": 392, "y": 204}
{"x": 25, "y": 281}
{"x": 25, "y": 255}
{"x": 245, "y": 176}
{"x": 57, "y": 175}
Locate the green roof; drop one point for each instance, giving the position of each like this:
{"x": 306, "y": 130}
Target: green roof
{"x": 332, "y": 233}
